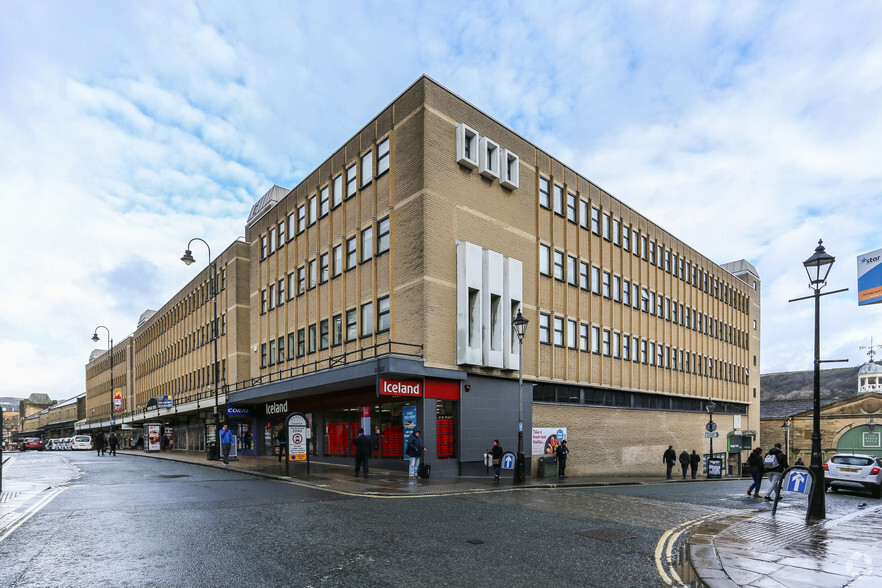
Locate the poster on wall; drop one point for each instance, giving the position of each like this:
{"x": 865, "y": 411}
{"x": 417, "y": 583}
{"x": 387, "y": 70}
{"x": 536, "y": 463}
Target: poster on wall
{"x": 409, "y": 418}
{"x": 546, "y": 439}
{"x": 153, "y": 438}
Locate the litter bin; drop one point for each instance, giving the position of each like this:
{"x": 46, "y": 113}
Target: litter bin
{"x": 211, "y": 451}
{"x": 548, "y": 466}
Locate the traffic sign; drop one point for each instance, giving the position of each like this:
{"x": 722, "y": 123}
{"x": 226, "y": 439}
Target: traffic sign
{"x": 713, "y": 435}
{"x": 711, "y": 426}
{"x": 297, "y": 433}
{"x": 508, "y": 461}
{"x": 798, "y": 482}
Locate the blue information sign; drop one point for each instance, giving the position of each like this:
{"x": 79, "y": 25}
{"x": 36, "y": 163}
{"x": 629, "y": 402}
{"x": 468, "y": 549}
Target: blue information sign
{"x": 798, "y": 482}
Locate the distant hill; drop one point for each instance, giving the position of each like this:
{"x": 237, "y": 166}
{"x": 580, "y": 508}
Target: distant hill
{"x": 10, "y": 403}
{"x": 835, "y": 384}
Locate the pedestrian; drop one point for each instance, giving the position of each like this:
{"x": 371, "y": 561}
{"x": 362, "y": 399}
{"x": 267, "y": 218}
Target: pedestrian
{"x": 163, "y": 442}
{"x": 112, "y": 442}
{"x": 774, "y": 464}
{"x": 694, "y": 460}
{"x": 757, "y": 469}
{"x": 684, "y": 462}
{"x": 364, "y": 446}
{"x": 799, "y": 461}
{"x": 496, "y": 457}
{"x": 99, "y": 442}
{"x": 562, "y": 451}
{"x": 226, "y": 440}
{"x": 415, "y": 450}
{"x": 283, "y": 442}
{"x": 669, "y": 458}
{"x": 246, "y": 440}
{"x": 140, "y": 443}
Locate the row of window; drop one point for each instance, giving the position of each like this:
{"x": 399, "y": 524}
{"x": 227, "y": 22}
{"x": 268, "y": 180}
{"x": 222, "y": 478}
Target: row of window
{"x": 198, "y": 379}
{"x": 565, "y": 202}
{"x": 566, "y": 268}
{"x": 555, "y": 330}
{"x": 328, "y": 197}
{"x": 341, "y": 328}
{"x": 191, "y": 342}
{"x": 592, "y": 396}
{"x": 326, "y": 266}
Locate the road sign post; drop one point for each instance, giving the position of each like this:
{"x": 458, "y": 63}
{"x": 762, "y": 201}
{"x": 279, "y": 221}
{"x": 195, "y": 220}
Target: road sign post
{"x": 508, "y": 461}
{"x": 298, "y": 433}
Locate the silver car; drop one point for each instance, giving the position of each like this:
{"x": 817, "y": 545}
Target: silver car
{"x": 854, "y": 471}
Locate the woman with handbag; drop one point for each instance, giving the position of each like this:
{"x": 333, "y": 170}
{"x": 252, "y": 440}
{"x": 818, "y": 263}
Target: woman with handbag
{"x": 496, "y": 455}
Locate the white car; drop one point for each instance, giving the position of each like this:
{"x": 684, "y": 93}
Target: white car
{"x": 81, "y": 442}
{"x": 854, "y": 471}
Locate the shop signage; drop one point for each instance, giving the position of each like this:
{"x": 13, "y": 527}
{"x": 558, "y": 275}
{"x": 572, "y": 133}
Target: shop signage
{"x": 164, "y": 402}
{"x": 239, "y": 410}
{"x": 276, "y": 407}
{"x": 400, "y": 388}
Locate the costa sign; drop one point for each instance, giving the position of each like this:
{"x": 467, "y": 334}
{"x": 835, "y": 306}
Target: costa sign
{"x": 400, "y": 388}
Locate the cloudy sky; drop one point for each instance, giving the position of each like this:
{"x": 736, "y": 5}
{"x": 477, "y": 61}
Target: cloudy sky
{"x": 747, "y": 129}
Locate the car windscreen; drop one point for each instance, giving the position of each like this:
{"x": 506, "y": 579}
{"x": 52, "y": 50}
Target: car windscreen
{"x": 852, "y": 460}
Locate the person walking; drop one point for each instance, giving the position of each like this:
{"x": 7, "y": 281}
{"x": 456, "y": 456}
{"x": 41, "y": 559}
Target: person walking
{"x": 774, "y": 464}
{"x": 496, "y": 457}
{"x": 99, "y": 442}
{"x": 364, "y": 446}
{"x": 684, "y": 462}
{"x": 562, "y": 451}
{"x": 112, "y": 442}
{"x": 283, "y": 442}
{"x": 669, "y": 458}
{"x": 694, "y": 460}
{"x": 755, "y": 463}
{"x": 415, "y": 450}
{"x": 226, "y": 440}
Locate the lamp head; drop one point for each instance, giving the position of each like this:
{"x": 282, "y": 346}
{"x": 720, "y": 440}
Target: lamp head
{"x": 710, "y": 406}
{"x": 188, "y": 257}
{"x": 519, "y": 324}
{"x": 872, "y": 424}
{"x": 95, "y": 337}
{"x": 785, "y": 426}
{"x": 818, "y": 266}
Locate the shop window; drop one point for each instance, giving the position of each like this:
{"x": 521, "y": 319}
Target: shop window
{"x": 446, "y": 442}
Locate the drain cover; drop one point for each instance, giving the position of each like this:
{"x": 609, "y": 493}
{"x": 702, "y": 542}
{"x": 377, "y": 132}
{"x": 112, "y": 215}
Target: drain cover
{"x": 475, "y": 541}
{"x": 609, "y": 535}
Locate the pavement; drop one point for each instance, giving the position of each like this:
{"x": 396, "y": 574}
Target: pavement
{"x": 748, "y": 548}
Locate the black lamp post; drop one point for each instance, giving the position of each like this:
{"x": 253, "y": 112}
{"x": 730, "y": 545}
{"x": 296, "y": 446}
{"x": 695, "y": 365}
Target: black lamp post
{"x": 710, "y": 406}
{"x": 786, "y": 428}
{"x": 96, "y": 338}
{"x": 212, "y": 289}
{"x": 818, "y": 268}
{"x": 519, "y": 324}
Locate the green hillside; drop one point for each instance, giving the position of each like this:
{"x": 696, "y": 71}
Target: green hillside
{"x": 835, "y": 383}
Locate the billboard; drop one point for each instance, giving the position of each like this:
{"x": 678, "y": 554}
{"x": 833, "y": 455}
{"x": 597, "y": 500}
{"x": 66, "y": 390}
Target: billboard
{"x": 869, "y": 276}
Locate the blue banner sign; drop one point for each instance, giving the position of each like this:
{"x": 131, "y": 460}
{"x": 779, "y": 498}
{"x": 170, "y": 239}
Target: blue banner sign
{"x": 164, "y": 402}
{"x": 869, "y": 277}
{"x": 239, "y": 410}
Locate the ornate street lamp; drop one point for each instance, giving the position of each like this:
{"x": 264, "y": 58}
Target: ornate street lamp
{"x": 786, "y": 428}
{"x": 212, "y": 289}
{"x": 710, "y": 406}
{"x": 519, "y": 324}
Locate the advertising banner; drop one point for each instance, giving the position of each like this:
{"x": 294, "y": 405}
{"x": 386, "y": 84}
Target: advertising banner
{"x": 409, "y": 420}
{"x": 164, "y": 402}
{"x": 546, "y": 439}
{"x": 117, "y": 400}
{"x": 153, "y": 438}
{"x": 869, "y": 277}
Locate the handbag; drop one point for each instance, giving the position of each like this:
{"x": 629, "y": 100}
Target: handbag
{"x": 496, "y": 462}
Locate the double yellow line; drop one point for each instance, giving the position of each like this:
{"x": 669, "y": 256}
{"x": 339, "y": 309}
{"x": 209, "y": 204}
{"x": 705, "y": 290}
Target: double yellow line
{"x": 664, "y": 549}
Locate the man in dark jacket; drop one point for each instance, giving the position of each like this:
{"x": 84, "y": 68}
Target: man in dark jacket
{"x": 684, "y": 462}
{"x": 415, "y": 450}
{"x": 694, "y": 460}
{"x": 364, "y": 445}
{"x": 669, "y": 459}
{"x": 99, "y": 442}
{"x": 112, "y": 442}
{"x": 774, "y": 471}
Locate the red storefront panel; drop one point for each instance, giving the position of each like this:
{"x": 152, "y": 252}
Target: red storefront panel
{"x": 442, "y": 389}
{"x": 445, "y": 438}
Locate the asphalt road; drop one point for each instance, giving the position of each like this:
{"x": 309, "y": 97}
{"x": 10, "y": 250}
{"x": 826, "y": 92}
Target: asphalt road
{"x": 130, "y": 521}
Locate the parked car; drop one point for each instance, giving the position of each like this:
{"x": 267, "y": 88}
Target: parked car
{"x": 81, "y": 442}
{"x": 51, "y": 444}
{"x": 32, "y": 443}
{"x": 854, "y": 471}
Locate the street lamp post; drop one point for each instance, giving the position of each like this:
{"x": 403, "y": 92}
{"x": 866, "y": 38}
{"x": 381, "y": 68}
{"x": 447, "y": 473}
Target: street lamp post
{"x": 519, "y": 324}
{"x": 212, "y": 289}
{"x": 786, "y": 428}
{"x": 96, "y": 338}
{"x": 710, "y": 406}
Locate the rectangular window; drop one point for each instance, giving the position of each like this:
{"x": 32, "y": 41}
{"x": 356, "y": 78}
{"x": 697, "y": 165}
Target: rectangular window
{"x": 572, "y": 273}
{"x": 606, "y": 226}
{"x": 367, "y": 243}
{"x": 651, "y": 253}
{"x": 634, "y": 241}
{"x": 351, "y": 175}
{"x": 301, "y": 342}
{"x": 367, "y": 319}
{"x": 583, "y": 337}
{"x": 544, "y": 195}
{"x": 571, "y": 334}
{"x": 301, "y": 280}
{"x": 301, "y": 219}
{"x": 263, "y": 355}
{"x": 382, "y": 157}
{"x": 571, "y": 207}
{"x": 558, "y": 265}
{"x": 644, "y": 251}
{"x": 281, "y": 345}
{"x": 626, "y": 238}
{"x": 367, "y": 168}
{"x": 337, "y": 330}
{"x": 583, "y": 276}
{"x": 292, "y": 225}
{"x": 626, "y": 348}
{"x": 313, "y": 215}
{"x": 323, "y": 334}
{"x": 668, "y": 261}
{"x": 338, "y": 260}
{"x": 292, "y": 345}
{"x": 351, "y": 252}
{"x": 351, "y": 324}
{"x": 558, "y": 200}
{"x": 626, "y": 292}
{"x": 312, "y": 274}
{"x": 635, "y": 345}
{"x": 544, "y": 260}
{"x": 606, "y": 349}
{"x": 583, "y": 214}
{"x": 595, "y": 339}
{"x": 272, "y": 240}
{"x": 595, "y": 279}
{"x": 617, "y": 231}
{"x": 324, "y": 201}
{"x": 643, "y": 351}
{"x": 617, "y": 289}
{"x": 281, "y": 233}
{"x": 544, "y": 328}
{"x": 383, "y": 316}
{"x": 337, "y": 196}
{"x": 263, "y": 247}
{"x": 263, "y": 302}
{"x": 281, "y": 292}
{"x": 382, "y": 235}
{"x": 606, "y": 285}
{"x": 292, "y": 285}
{"x": 272, "y": 296}
{"x": 324, "y": 267}
{"x": 558, "y": 331}
{"x": 311, "y": 341}
{"x": 644, "y": 300}
{"x": 595, "y": 220}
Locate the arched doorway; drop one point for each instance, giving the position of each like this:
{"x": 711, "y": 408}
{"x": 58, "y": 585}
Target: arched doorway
{"x": 861, "y": 440}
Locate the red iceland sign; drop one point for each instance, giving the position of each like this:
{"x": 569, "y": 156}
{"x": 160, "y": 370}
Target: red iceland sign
{"x": 400, "y": 388}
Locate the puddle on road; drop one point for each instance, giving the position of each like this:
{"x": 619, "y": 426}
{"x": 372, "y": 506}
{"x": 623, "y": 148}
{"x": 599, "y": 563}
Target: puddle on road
{"x": 681, "y": 566}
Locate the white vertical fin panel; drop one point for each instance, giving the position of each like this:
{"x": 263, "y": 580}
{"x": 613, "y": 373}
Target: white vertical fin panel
{"x": 512, "y": 300}
{"x": 469, "y": 277}
{"x": 493, "y": 314}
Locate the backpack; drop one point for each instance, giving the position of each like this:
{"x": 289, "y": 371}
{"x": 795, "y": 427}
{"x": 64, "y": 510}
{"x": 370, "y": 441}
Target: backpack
{"x": 770, "y": 462}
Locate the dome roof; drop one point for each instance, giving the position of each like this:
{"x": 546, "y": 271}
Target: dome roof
{"x": 871, "y": 367}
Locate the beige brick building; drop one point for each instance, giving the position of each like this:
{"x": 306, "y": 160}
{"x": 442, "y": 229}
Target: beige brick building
{"x": 382, "y": 289}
